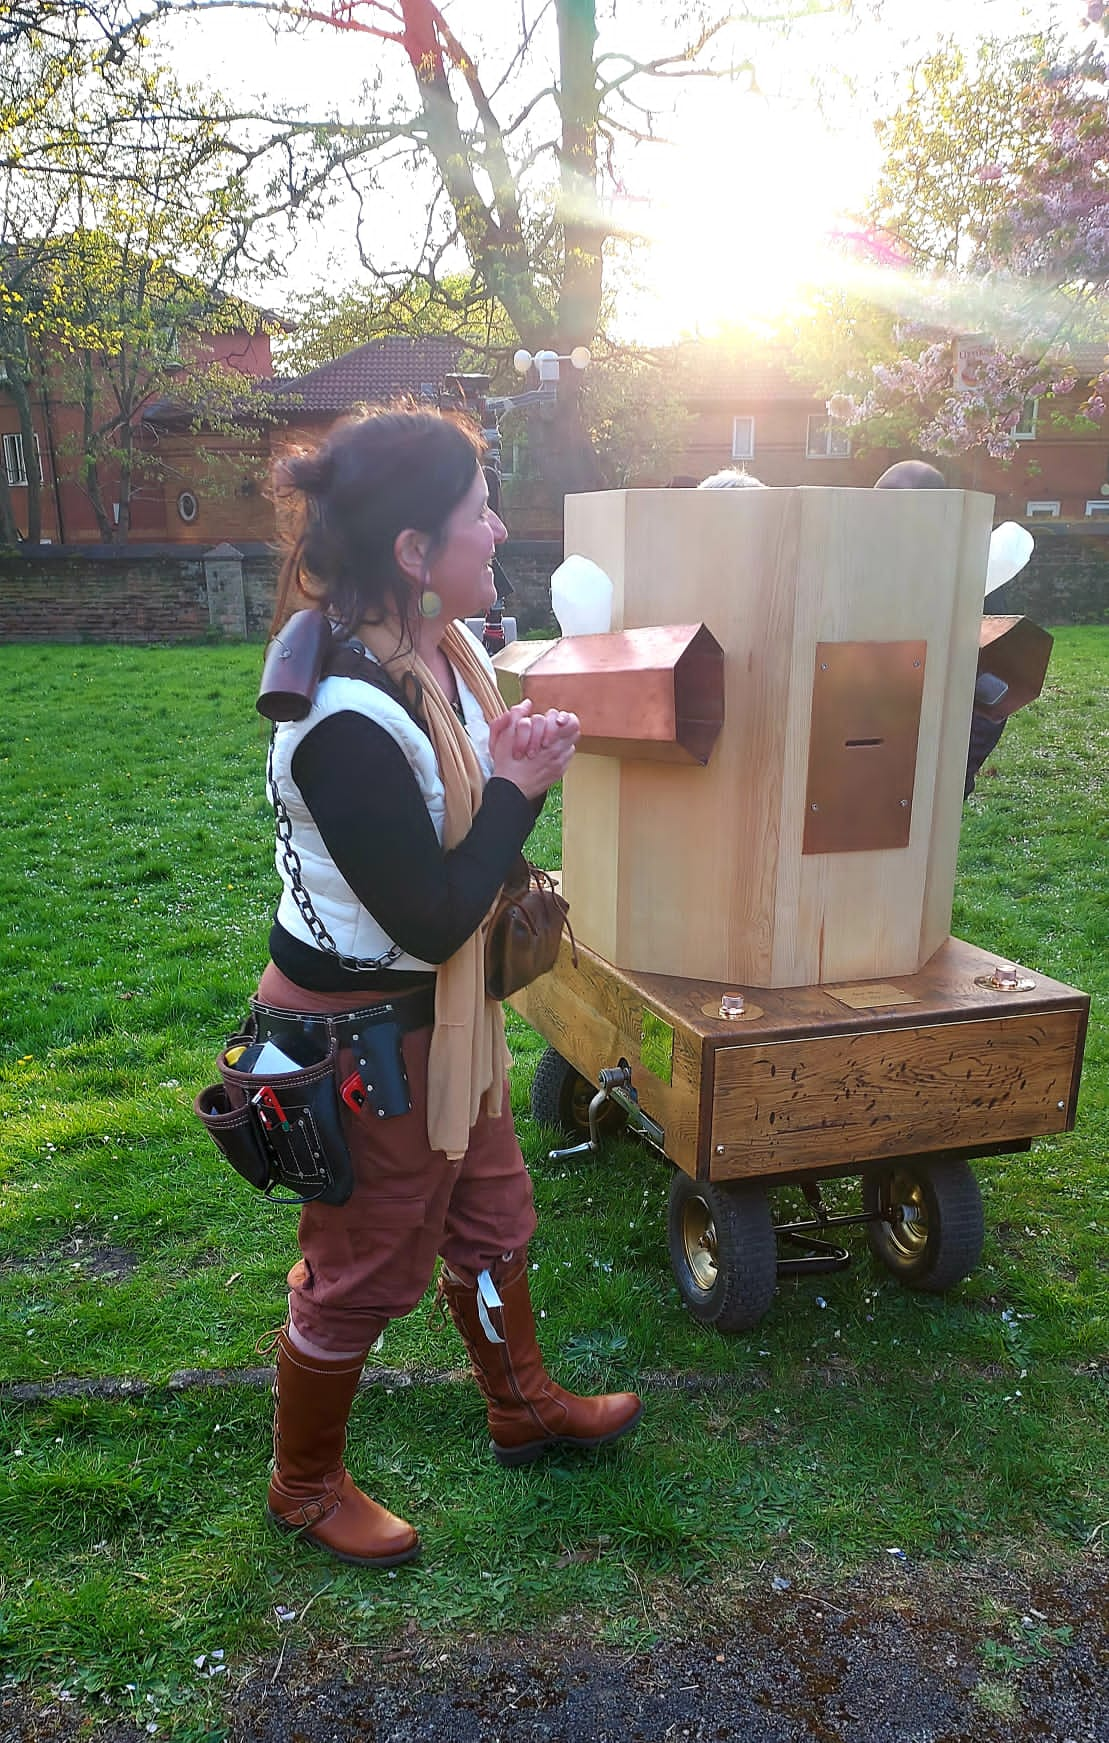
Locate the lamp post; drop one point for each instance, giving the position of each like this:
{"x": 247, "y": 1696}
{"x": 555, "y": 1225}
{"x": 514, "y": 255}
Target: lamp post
{"x": 472, "y": 391}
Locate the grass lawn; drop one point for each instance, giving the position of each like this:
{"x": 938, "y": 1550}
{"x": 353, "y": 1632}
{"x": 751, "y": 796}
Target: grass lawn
{"x": 137, "y": 883}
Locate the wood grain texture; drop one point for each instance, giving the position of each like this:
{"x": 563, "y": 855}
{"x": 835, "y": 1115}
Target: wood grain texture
{"x": 709, "y": 876}
{"x": 835, "y": 1099}
{"x": 593, "y": 1016}
{"x": 952, "y": 1063}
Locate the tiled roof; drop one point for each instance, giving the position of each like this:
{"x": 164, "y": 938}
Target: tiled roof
{"x": 375, "y": 371}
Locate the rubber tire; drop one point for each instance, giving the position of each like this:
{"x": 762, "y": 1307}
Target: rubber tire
{"x": 560, "y": 1097}
{"x": 742, "y": 1228}
{"x": 950, "y": 1245}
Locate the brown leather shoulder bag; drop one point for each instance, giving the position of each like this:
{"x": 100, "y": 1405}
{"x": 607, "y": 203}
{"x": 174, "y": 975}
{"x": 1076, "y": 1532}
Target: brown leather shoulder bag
{"x": 525, "y": 930}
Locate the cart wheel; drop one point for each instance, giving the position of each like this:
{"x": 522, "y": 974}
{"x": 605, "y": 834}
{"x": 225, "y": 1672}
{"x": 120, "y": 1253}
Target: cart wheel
{"x": 560, "y": 1096}
{"x": 931, "y": 1230}
{"x": 723, "y": 1251}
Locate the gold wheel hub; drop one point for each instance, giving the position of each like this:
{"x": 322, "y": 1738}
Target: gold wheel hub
{"x": 903, "y": 1203}
{"x": 699, "y": 1243}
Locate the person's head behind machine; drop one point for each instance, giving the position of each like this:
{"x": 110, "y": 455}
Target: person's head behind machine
{"x": 342, "y": 506}
{"x": 731, "y": 479}
{"x": 911, "y": 475}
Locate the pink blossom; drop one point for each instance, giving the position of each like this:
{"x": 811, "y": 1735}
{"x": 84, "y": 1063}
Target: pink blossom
{"x": 1047, "y": 257}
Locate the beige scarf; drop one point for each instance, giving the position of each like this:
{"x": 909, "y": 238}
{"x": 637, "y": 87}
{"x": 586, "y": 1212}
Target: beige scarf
{"x": 469, "y": 1058}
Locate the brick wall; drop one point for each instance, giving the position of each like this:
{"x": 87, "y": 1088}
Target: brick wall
{"x": 1067, "y": 580}
{"x": 529, "y": 565}
{"x": 138, "y": 594}
{"x": 148, "y": 594}
{"x": 132, "y": 597}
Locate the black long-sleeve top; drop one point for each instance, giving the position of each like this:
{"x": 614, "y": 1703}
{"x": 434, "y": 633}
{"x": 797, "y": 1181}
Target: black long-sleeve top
{"x": 357, "y": 783}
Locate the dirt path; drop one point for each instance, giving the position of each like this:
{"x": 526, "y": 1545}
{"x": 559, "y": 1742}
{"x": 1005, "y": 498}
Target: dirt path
{"x": 980, "y": 1656}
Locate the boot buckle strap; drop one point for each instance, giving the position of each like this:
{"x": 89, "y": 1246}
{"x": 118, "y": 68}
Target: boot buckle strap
{"x": 312, "y": 1512}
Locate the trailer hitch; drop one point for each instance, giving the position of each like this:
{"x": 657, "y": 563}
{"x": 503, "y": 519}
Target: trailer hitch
{"x": 615, "y": 1087}
{"x": 822, "y": 1254}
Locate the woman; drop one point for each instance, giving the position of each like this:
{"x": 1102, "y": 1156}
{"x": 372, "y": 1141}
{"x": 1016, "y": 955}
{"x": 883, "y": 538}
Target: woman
{"x": 402, "y": 803}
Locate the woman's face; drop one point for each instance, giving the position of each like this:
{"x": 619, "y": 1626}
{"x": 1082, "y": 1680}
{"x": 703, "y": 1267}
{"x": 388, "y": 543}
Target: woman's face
{"x": 460, "y": 570}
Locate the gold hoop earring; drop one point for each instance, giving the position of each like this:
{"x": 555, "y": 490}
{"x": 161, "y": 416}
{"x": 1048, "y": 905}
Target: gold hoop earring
{"x": 430, "y": 604}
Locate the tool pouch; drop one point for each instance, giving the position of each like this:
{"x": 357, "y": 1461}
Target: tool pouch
{"x": 381, "y": 1062}
{"x": 234, "y": 1130}
{"x": 283, "y": 1129}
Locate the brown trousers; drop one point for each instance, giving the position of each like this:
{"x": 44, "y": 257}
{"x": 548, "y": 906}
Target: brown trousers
{"x": 370, "y": 1260}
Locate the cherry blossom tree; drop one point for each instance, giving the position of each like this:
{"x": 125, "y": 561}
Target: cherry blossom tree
{"x": 1028, "y": 276}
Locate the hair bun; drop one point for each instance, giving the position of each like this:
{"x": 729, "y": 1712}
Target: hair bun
{"x": 304, "y": 469}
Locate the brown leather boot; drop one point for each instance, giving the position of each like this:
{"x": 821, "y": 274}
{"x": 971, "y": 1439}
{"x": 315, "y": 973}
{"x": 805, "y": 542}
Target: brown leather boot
{"x": 311, "y": 1491}
{"x": 528, "y": 1413}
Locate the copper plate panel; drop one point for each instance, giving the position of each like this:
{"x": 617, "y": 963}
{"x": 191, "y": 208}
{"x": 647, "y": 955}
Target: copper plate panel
{"x": 866, "y": 701}
{"x": 655, "y": 692}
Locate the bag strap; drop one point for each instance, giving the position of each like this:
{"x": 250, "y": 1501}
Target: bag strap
{"x": 349, "y": 659}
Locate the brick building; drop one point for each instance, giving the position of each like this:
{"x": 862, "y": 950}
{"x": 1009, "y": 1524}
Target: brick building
{"x": 745, "y": 409}
{"x": 188, "y": 488}
{"x": 751, "y": 411}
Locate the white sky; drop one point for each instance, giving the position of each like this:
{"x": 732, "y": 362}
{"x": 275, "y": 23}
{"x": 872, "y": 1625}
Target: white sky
{"x": 734, "y": 205}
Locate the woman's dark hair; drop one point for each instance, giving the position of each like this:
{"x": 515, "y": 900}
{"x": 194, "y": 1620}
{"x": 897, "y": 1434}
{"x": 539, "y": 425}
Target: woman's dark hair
{"x": 341, "y": 506}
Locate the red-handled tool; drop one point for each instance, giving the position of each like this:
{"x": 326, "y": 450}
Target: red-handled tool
{"x": 270, "y": 1111}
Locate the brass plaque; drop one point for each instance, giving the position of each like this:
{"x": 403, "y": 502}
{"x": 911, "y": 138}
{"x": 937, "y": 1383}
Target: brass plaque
{"x": 869, "y": 995}
{"x": 656, "y": 1046}
{"x": 862, "y": 745}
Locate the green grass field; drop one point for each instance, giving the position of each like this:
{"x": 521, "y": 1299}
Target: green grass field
{"x": 137, "y": 883}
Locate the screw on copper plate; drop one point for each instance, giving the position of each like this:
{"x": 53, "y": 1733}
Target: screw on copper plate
{"x": 732, "y": 1005}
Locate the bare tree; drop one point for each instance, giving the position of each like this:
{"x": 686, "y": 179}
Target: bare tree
{"x": 517, "y": 147}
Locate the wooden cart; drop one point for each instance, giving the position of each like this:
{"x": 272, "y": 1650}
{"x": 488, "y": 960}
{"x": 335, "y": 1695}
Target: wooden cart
{"x": 900, "y": 1081}
{"x": 765, "y": 813}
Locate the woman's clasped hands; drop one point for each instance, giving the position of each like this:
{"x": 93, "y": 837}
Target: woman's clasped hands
{"x": 533, "y": 750}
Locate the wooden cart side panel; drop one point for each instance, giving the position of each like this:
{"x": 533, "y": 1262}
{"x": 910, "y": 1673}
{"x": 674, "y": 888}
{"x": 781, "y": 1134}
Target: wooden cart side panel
{"x": 829, "y": 1100}
{"x": 704, "y": 1157}
{"x": 593, "y": 1016}
{"x": 1076, "y": 1073}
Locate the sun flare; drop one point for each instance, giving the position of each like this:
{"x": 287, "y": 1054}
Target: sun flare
{"x": 746, "y": 214}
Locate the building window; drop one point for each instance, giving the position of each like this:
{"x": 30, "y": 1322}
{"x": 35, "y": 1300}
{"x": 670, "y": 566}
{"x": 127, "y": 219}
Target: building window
{"x": 188, "y": 507}
{"x": 825, "y": 440}
{"x": 1042, "y": 510}
{"x": 15, "y": 464}
{"x": 1025, "y": 430}
{"x": 743, "y": 438}
{"x": 1097, "y": 509}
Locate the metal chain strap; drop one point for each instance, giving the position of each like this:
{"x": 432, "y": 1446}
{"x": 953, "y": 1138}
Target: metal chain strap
{"x": 290, "y": 861}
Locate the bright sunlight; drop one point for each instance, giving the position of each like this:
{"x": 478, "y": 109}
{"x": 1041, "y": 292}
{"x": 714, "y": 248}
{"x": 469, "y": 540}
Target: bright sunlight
{"x": 748, "y": 212}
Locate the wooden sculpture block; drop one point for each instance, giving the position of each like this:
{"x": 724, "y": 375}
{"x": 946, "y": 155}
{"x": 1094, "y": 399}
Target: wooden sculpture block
{"x": 819, "y": 841}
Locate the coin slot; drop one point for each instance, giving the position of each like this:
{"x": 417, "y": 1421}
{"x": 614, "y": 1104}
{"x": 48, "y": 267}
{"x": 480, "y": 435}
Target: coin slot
{"x": 855, "y": 743}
